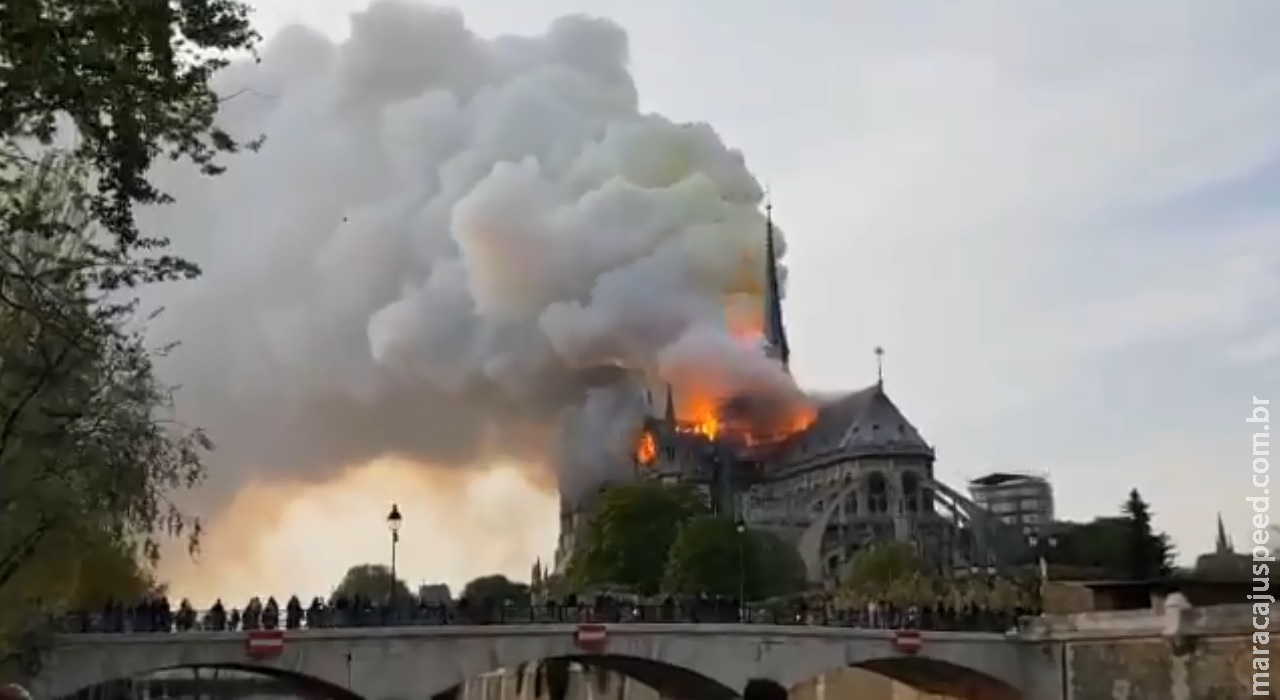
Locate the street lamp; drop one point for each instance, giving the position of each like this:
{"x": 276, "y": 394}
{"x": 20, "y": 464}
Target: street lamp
{"x": 393, "y": 524}
{"x": 742, "y": 571}
{"x": 1042, "y": 546}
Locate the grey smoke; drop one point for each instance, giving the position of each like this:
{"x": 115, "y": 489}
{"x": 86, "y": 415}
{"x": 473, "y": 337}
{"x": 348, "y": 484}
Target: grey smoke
{"x": 452, "y": 249}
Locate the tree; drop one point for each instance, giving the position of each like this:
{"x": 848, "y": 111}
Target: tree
{"x": 133, "y": 78}
{"x": 626, "y": 540}
{"x": 371, "y": 582}
{"x": 1149, "y": 553}
{"x": 89, "y": 447}
{"x": 780, "y": 569}
{"x": 1096, "y": 549}
{"x": 495, "y": 590}
{"x": 881, "y": 564}
{"x": 711, "y": 556}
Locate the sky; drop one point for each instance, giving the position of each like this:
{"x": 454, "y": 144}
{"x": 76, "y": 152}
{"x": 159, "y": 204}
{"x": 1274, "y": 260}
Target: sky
{"x": 1061, "y": 221}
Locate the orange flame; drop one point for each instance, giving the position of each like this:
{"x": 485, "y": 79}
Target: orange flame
{"x": 701, "y": 417}
{"x": 646, "y": 449}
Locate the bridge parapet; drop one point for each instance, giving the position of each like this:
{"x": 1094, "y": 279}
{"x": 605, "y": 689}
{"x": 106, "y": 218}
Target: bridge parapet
{"x": 712, "y": 661}
{"x": 1212, "y": 621}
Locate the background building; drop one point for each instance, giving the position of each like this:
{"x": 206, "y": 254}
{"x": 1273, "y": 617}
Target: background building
{"x": 1022, "y": 500}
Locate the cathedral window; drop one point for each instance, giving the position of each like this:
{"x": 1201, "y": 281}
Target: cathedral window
{"x": 911, "y": 492}
{"x": 851, "y": 503}
{"x": 877, "y": 493}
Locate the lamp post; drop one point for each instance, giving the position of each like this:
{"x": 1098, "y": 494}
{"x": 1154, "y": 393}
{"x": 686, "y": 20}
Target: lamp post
{"x": 1043, "y": 544}
{"x": 742, "y": 570}
{"x": 393, "y": 524}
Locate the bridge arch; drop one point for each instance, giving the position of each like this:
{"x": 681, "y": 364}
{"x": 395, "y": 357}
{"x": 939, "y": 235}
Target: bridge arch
{"x": 309, "y": 686}
{"x": 375, "y": 664}
{"x": 942, "y": 678}
{"x": 667, "y": 679}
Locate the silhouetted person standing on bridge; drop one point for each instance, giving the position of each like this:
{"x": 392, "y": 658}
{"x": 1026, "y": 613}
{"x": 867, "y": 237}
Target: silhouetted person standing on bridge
{"x": 293, "y": 613}
{"x": 216, "y": 618}
{"x": 185, "y": 620}
{"x": 271, "y": 614}
{"x": 252, "y": 616}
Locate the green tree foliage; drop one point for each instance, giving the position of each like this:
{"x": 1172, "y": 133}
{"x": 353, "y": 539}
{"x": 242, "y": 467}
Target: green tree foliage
{"x": 627, "y": 538}
{"x": 779, "y": 569}
{"x": 711, "y": 555}
{"x": 892, "y": 572}
{"x": 1150, "y": 554}
{"x": 883, "y": 564}
{"x": 79, "y": 571}
{"x": 133, "y": 78}
{"x": 89, "y": 447}
{"x": 495, "y": 590}
{"x": 372, "y": 582}
{"x": 1095, "y": 549}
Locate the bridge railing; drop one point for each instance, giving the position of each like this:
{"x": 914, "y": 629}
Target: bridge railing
{"x": 159, "y": 621}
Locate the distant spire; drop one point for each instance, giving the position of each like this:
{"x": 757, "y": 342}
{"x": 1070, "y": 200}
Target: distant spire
{"x": 670, "y": 415}
{"x": 1224, "y": 545}
{"x": 879, "y": 366}
{"x": 775, "y": 334}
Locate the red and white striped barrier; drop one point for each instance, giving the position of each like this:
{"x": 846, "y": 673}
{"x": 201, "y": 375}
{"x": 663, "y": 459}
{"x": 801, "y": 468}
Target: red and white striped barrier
{"x": 907, "y": 641}
{"x": 264, "y": 644}
{"x": 591, "y": 637}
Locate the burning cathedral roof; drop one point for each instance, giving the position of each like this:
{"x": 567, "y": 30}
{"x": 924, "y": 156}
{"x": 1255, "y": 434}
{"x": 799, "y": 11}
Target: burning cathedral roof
{"x": 861, "y": 423}
{"x": 786, "y": 433}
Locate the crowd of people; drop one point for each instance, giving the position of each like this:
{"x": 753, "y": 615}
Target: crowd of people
{"x": 158, "y": 615}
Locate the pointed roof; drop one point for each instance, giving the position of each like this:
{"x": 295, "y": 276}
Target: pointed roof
{"x": 863, "y": 423}
{"x": 775, "y": 333}
{"x": 669, "y": 415}
{"x": 1223, "y": 544}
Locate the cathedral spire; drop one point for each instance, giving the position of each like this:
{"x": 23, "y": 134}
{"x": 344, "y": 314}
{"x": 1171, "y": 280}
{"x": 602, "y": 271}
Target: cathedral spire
{"x": 880, "y": 367}
{"x": 775, "y": 335}
{"x": 1223, "y": 545}
{"x": 670, "y": 415}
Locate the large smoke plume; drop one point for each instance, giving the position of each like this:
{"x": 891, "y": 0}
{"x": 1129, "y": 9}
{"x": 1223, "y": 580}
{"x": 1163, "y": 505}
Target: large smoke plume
{"x": 451, "y": 250}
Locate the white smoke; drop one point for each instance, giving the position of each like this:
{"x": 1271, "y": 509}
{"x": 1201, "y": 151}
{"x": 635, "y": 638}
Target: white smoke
{"x": 446, "y": 244}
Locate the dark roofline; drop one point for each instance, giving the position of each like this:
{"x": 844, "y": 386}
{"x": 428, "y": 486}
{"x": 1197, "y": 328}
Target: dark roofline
{"x": 997, "y": 478}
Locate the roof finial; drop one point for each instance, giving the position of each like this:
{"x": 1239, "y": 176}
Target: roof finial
{"x": 879, "y": 366}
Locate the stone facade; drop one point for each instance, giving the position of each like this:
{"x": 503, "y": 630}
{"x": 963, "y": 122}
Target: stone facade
{"x": 1170, "y": 654}
{"x": 1217, "y": 669}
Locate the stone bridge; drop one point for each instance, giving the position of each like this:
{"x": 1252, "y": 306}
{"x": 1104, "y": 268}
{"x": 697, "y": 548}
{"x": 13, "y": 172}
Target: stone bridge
{"x": 689, "y": 662}
{"x": 1176, "y": 654}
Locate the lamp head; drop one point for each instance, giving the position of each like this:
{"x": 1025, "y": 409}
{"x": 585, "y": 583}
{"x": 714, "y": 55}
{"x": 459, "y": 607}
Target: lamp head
{"x": 394, "y": 519}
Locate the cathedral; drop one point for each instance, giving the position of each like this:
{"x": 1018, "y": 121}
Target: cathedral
{"x": 852, "y": 472}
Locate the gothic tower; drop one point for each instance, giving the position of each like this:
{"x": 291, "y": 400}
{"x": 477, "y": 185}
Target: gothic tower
{"x": 775, "y": 335}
